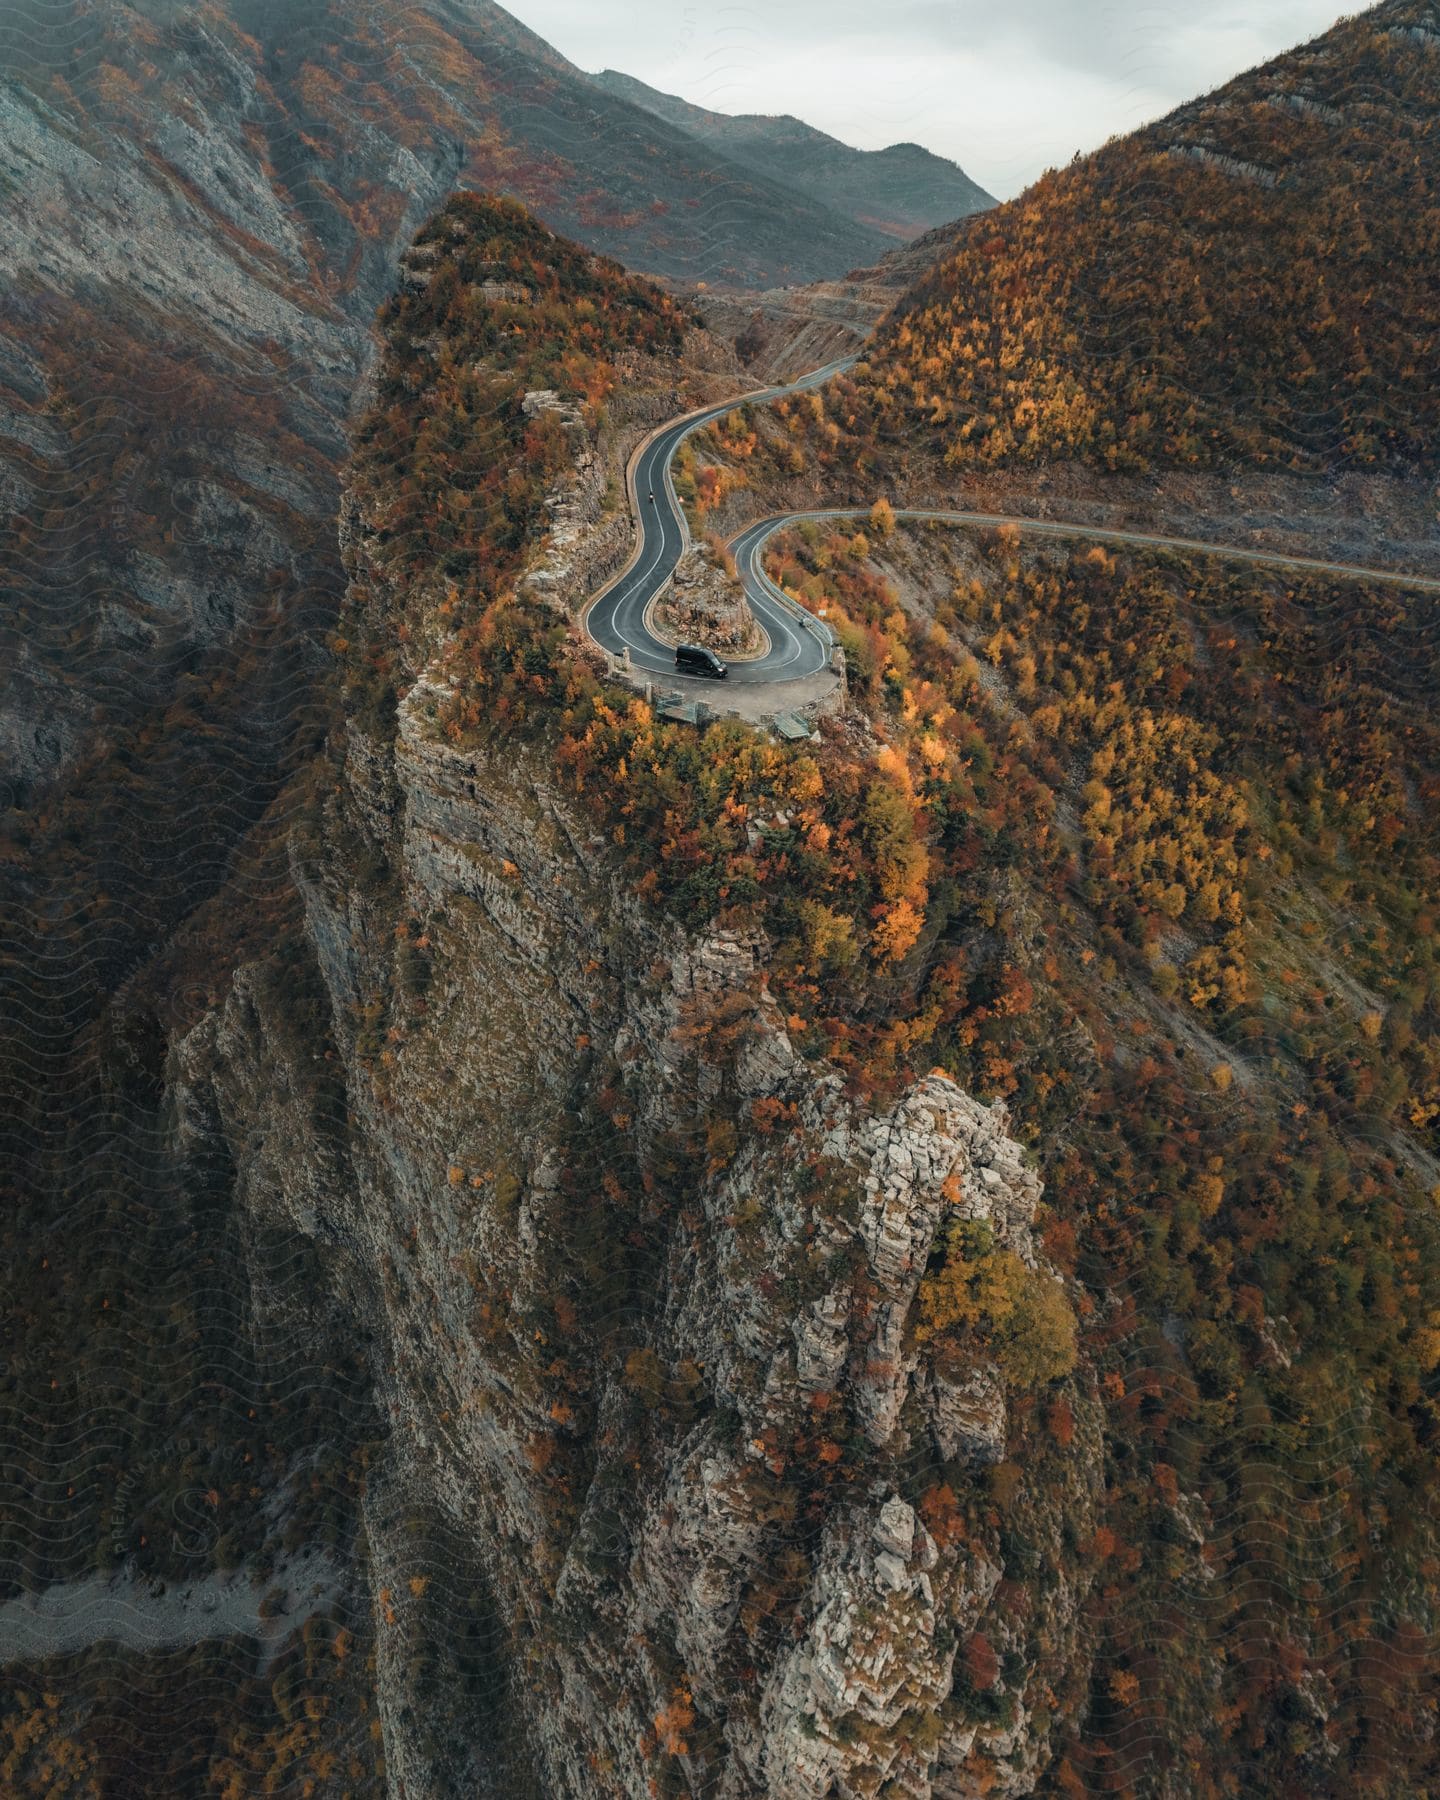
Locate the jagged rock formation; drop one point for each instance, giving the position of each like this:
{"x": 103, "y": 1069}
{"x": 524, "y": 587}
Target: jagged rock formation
{"x": 641, "y": 1282}
{"x": 703, "y": 605}
{"x": 676, "y": 1487}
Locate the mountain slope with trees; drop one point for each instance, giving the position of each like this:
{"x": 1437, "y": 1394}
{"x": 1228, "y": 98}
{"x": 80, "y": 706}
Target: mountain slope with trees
{"x": 1143, "y": 847}
{"x": 1249, "y": 280}
{"x": 1198, "y": 959}
{"x": 204, "y": 205}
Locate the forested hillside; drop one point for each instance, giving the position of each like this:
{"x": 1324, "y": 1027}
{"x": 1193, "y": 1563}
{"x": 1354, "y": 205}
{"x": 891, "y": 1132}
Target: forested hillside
{"x": 203, "y": 207}
{"x": 1198, "y": 956}
{"x": 1248, "y": 280}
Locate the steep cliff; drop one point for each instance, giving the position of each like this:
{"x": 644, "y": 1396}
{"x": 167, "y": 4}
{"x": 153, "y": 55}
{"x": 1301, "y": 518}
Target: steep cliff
{"x": 653, "y": 1290}
{"x": 642, "y": 1283}
{"x": 204, "y": 204}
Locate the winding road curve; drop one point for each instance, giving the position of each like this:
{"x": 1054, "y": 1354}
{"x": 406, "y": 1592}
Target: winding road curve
{"x": 800, "y": 645}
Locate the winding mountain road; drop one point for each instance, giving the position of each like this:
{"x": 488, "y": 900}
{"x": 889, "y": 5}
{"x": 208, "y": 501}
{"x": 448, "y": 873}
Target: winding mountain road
{"x": 801, "y": 645}
{"x": 755, "y": 536}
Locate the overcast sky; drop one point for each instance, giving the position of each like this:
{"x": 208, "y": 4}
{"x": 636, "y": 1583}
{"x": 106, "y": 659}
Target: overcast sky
{"x": 1006, "y": 88}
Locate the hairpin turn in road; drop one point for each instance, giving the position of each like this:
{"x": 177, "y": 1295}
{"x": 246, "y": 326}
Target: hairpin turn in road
{"x": 800, "y": 644}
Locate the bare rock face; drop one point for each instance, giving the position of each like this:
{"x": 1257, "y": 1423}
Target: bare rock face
{"x": 870, "y": 1656}
{"x": 705, "y": 606}
{"x": 968, "y": 1415}
{"x": 641, "y": 1281}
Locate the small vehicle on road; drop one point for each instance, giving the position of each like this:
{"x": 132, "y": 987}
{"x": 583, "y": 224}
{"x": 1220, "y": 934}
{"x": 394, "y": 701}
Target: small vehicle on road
{"x": 695, "y": 659}
{"x": 652, "y": 496}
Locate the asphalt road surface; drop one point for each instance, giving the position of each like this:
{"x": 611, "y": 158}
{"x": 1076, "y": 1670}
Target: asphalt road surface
{"x": 800, "y": 645}
{"x": 754, "y": 538}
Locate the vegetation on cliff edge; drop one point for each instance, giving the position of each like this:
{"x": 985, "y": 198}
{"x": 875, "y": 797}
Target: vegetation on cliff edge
{"x": 1143, "y": 845}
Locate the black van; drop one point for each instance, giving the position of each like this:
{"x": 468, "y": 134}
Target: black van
{"x": 695, "y": 659}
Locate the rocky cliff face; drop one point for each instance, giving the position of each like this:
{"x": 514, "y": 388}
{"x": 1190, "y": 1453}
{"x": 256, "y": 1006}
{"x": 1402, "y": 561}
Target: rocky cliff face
{"x": 203, "y": 206}
{"x": 640, "y": 1280}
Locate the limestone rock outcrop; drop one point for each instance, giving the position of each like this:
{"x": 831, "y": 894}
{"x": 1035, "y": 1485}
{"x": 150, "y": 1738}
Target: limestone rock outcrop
{"x": 640, "y": 1279}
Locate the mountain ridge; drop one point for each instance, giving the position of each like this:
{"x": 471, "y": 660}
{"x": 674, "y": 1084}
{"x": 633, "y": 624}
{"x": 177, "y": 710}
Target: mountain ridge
{"x": 903, "y": 189}
{"x": 1289, "y": 216}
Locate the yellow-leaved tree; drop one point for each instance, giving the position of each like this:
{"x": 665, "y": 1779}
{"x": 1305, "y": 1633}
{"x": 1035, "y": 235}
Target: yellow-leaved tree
{"x": 984, "y": 1299}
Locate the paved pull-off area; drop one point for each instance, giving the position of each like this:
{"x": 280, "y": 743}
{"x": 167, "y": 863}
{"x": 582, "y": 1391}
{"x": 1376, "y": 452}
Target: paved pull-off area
{"x": 800, "y": 645}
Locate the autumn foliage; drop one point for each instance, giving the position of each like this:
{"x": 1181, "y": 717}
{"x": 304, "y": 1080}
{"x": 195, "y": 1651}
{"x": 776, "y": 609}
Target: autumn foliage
{"x": 1148, "y": 847}
{"x": 1249, "y": 277}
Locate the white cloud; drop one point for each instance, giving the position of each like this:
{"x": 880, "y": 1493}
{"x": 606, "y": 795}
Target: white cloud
{"x": 1006, "y": 91}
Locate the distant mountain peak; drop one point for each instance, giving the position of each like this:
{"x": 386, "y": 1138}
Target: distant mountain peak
{"x": 902, "y": 190}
